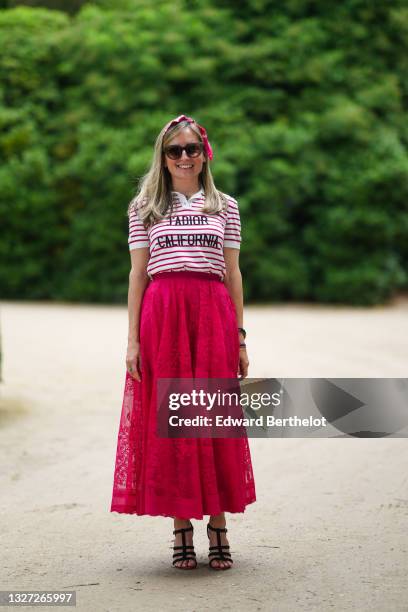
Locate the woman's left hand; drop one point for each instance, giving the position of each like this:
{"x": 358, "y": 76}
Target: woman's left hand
{"x": 243, "y": 363}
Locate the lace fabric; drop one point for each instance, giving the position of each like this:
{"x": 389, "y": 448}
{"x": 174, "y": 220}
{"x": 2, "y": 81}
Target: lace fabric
{"x": 188, "y": 328}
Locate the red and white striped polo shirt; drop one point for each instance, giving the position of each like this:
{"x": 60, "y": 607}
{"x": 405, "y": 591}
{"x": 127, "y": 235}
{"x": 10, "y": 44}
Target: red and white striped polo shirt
{"x": 191, "y": 240}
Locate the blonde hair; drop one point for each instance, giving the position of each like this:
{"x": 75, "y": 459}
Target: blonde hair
{"x": 154, "y": 198}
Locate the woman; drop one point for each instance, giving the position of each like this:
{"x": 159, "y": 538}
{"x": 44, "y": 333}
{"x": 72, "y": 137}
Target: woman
{"x": 185, "y": 307}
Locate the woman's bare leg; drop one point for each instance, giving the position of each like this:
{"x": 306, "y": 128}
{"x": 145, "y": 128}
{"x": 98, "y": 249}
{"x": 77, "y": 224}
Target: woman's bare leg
{"x": 178, "y": 541}
{"x": 218, "y": 520}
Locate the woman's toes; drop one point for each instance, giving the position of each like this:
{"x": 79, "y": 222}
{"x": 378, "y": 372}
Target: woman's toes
{"x": 187, "y": 563}
{"x": 223, "y": 564}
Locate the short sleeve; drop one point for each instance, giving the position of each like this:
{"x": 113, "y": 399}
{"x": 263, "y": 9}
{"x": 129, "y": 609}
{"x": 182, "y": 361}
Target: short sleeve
{"x": 138, "y": 236}
{"x": 232, "y": 234}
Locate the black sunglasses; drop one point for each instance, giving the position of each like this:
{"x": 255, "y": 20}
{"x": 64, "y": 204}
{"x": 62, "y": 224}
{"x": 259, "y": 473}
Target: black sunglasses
{"x": 193, "y": 149}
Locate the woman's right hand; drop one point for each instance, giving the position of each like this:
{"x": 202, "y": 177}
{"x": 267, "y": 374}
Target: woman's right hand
{"x": 133, "y": 361}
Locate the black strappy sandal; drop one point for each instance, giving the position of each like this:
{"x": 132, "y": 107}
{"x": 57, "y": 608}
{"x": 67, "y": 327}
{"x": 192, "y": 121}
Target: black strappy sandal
{"x": 186, "y": 552}
{"x": 217, "y": 552}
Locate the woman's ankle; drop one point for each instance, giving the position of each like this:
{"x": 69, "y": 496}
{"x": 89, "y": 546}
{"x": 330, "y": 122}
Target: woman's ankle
{"x": 218, "y": 521}
{"x": 181, "y": 523}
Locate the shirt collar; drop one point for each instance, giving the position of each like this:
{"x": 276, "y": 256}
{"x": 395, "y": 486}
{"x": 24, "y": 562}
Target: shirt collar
{"x": 195, "y": 195}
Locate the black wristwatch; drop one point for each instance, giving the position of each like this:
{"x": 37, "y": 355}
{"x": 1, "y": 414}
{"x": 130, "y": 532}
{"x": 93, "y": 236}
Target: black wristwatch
{"x": 242, "y": 330}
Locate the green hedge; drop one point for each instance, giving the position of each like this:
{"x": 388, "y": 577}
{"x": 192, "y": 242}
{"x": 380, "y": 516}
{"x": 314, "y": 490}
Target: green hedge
{"x": 305, "y": 105}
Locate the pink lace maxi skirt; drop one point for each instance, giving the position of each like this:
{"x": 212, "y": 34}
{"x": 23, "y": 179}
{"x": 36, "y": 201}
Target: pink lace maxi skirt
{"x": 188, "y": 328}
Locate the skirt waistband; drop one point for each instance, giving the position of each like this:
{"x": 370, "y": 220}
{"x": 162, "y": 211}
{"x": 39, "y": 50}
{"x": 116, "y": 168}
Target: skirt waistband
{"x": 187, "y": 273}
